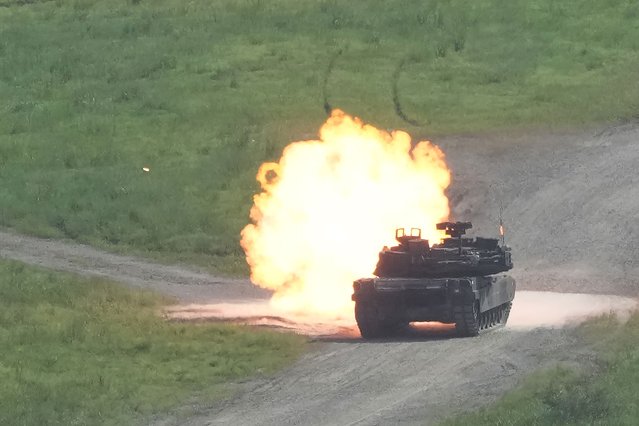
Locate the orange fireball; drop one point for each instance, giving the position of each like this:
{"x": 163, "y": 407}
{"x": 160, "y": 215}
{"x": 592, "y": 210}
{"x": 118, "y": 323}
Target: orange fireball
{"x": 329, "y": 205}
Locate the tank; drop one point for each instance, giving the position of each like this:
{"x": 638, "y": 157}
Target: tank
{"x": 459, "y": 281}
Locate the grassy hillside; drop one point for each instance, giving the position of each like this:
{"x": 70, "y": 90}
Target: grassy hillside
{"x": 605, "y": 396}
{"x": 203, "y": 91}
{"x": 83, "y": 351}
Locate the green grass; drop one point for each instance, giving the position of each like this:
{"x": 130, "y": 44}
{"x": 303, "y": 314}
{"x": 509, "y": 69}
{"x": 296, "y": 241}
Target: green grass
{"x": 605, "y": 394}
{"x": 84, "y": 351}
{"x": 203, "y": 91}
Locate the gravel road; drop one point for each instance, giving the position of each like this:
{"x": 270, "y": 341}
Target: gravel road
{"x": 186, "y": 284}
{"x": 569, "y": 203}
{"x": 418, "y": 380}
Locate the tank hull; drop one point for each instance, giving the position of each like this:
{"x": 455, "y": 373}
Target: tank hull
{"x": 471, "y": 303}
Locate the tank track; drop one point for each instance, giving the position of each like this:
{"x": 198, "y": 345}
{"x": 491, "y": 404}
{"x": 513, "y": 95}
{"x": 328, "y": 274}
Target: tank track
{"x": 470, "y": 322}
{"x": 370, "y": 325}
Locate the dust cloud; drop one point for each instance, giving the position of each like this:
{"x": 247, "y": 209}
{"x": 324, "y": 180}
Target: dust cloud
{"x": 531, "y": 309}
{"x": 263, "y": 313}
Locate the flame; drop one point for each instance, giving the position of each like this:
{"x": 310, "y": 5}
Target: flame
{"x": 329, "y": 205}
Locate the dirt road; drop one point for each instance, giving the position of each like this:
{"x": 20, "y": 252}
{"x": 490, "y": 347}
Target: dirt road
{"x": 188, "y": 285}
{"x": 414, "y": 381}
{"x": 569, "y": 202}
{"x": 421, "y": 377}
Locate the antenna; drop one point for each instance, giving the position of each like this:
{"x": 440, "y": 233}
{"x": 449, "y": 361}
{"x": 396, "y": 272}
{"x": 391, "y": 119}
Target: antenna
{"x": 501, "y": 223}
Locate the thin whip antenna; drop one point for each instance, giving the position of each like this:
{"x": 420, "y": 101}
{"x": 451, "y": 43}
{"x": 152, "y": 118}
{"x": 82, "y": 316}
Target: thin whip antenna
{"x": 501, "y": 223}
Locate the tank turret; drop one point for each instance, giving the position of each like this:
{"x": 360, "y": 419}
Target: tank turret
{"x": 455, "y": 256}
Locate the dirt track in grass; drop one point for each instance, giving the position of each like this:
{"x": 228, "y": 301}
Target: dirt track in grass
{"x": 569, "y": 204}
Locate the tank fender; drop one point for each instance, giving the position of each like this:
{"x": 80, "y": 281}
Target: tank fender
{"x": 462, "y": 291}
{"x": 362, "y": 288}
{"x": 500, "y": 290}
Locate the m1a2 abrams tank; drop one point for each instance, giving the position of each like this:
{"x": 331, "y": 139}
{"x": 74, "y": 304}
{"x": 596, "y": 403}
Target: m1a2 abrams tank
{"x": 458, "y": 281}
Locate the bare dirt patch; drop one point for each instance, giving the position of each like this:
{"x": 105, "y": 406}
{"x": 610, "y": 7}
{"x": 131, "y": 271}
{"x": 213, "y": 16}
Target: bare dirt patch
{"x": 570, "y": 204}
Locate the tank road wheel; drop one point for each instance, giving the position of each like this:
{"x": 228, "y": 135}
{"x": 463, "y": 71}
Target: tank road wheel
{"x": 505, "y": 312}
{"x": 483, "y": 320}
{"x": 467, "y": 319}
{"x": 368, "y": 321}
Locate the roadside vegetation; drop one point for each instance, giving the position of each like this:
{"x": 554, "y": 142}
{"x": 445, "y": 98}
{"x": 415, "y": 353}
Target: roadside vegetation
{"x": 77, "y": 351}
{"x": 603, "y": 394}
{"x": 201, "y": 92}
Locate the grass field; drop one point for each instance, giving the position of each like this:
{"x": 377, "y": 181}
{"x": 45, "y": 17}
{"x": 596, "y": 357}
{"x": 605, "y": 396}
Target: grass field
{"x": 202, "y": 91}
{"x": 605, "y": 395}
{"x": 84, "y": 351}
